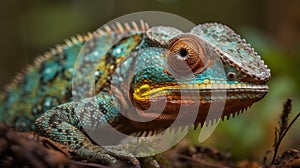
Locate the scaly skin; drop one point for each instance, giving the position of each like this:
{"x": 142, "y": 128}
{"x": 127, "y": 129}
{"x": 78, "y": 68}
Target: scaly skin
{"x": 151, "y": 61}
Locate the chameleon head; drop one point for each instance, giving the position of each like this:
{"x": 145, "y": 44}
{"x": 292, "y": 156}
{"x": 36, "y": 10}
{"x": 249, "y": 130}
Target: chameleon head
{"x": 210, "y": 60}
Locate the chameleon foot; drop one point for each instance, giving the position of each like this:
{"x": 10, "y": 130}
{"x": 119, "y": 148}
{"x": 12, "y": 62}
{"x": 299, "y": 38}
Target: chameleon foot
{"x": 106, "y": 155}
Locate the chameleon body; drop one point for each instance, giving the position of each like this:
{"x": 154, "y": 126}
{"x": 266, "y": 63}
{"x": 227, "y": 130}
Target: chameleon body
{"x": 220, "y": 61}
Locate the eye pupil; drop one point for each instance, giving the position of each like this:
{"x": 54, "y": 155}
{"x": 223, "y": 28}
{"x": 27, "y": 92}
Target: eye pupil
{"x": 183, "y": 52}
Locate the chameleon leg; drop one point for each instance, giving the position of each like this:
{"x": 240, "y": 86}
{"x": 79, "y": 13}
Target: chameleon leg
{"x": 62, "y": 125}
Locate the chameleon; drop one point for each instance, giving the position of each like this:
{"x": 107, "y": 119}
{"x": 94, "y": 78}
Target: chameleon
{"x": 41, "y": 98}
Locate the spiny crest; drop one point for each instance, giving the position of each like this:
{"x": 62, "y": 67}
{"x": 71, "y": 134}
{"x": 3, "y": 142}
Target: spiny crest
{"x": 59, "y": 48}
{"x": 181, "y": 128}
{"x": 125, "y": 28}
{"x": 169, "y": 130}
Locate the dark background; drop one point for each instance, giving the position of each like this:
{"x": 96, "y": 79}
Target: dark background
{"x": 29, "y": 28}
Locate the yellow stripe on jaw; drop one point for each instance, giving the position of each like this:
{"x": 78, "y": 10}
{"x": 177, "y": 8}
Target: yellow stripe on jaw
{"x": 144, "y": 91}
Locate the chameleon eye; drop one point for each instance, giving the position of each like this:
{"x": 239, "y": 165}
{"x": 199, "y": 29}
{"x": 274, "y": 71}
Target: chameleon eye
{"x": 186, "y": 54}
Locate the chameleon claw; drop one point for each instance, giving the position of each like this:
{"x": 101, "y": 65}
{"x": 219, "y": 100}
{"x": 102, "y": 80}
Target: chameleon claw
{"x": 123, "y": 156}
{"x": 106, "y": 155}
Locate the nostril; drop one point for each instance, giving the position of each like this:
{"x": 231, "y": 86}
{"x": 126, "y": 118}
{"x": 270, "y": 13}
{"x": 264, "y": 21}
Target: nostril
{"x": 231, "y": 75}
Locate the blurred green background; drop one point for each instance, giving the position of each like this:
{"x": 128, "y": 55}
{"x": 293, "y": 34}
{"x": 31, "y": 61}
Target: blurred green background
{"x": 29, "y": 28}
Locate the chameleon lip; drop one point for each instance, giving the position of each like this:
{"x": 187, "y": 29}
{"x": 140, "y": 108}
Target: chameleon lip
{"x": 216, "y": 90}
{"x": 159, "y": 93}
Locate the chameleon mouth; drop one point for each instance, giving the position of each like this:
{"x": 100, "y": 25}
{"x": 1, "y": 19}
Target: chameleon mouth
{"x": 233, "y": 98}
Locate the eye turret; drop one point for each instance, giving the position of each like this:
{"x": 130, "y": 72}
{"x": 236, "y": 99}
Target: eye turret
{"x": 186, "y": 55}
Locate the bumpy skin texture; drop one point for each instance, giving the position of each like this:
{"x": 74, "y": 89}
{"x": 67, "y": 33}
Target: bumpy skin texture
{"x": 151, "y": 61}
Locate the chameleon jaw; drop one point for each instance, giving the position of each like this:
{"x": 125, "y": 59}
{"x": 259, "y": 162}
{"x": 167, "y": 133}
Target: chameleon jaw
{"x": 235, "y": 99}
{"x": 233, "y": 105}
